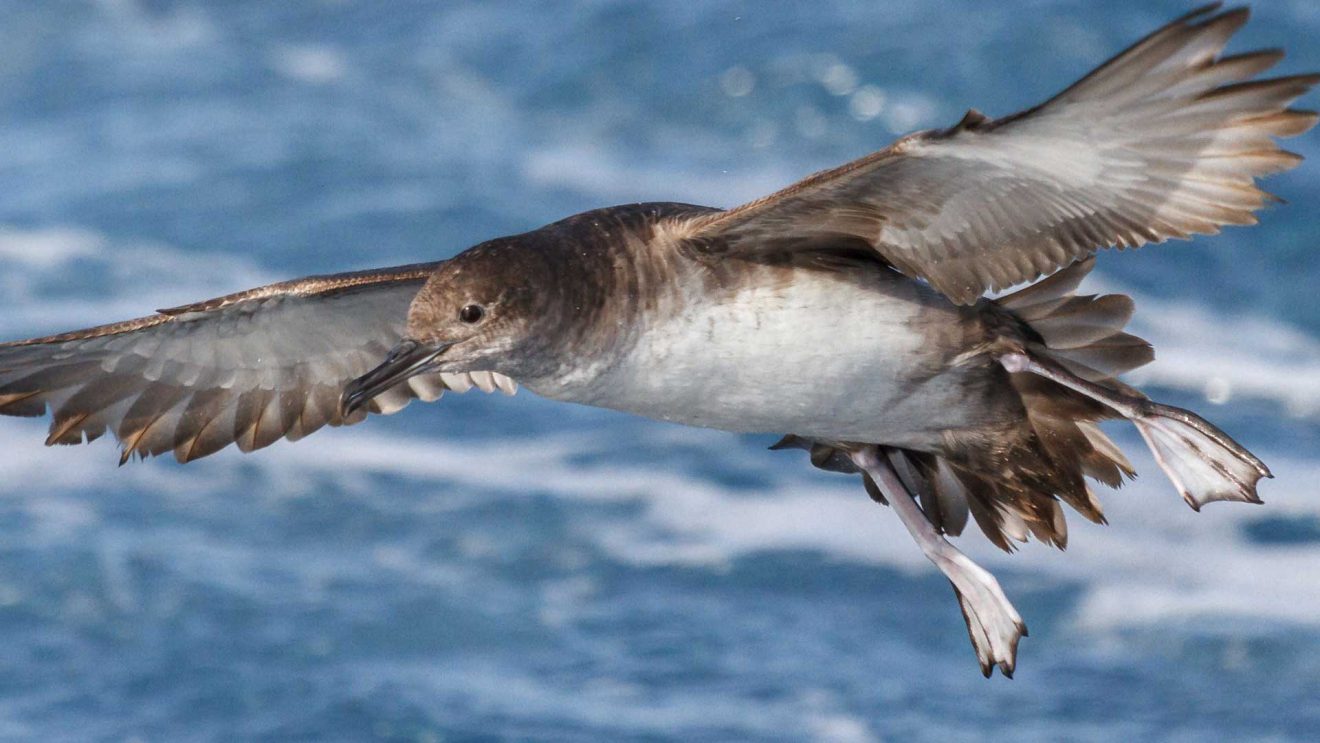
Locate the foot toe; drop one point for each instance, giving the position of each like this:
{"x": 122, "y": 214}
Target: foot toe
{"x": 993, "y": 626}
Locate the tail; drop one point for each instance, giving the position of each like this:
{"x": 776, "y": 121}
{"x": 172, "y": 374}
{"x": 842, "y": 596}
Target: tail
{"x": 1066, "y": 374}
{"x": 1013, "y": 482}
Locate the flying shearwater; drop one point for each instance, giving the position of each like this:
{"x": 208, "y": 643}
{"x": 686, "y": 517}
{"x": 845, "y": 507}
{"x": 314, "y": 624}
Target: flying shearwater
{"x": 848, "y": 313}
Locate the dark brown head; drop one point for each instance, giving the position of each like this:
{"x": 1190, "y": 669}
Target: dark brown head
{"x": 484, "y": 310}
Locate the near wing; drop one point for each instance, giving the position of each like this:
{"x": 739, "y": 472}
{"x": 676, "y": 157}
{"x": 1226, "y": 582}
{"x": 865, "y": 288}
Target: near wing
{"x": 1165, "y": 140}
{"x": 248, "y": 368}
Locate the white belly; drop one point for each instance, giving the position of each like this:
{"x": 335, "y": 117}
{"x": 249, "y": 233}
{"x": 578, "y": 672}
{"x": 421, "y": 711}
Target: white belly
{"x": 828, "y": 355}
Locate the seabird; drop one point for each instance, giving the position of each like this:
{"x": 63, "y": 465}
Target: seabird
{"x": 847, "y": 312}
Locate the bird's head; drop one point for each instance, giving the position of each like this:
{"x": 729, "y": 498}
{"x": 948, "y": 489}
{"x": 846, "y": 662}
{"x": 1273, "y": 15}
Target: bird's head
{"x": 476, "y": 312}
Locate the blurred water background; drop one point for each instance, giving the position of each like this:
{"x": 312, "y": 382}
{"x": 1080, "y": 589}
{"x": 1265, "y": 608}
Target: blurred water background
{"x": 507, "y": 568}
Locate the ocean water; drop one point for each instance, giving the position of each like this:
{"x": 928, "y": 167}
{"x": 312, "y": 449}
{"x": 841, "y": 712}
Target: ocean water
{"x": 491, "y": 568}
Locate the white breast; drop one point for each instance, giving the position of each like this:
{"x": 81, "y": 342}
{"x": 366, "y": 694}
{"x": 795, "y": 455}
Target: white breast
{"x": 845, "y": 356}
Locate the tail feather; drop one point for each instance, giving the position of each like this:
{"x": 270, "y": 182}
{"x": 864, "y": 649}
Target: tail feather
{"x": 1082, "y": 332}
{"x": 1107, "y": 463}
{"x": 1009, "y": 512}
{"x": 1081, "y": 322}
{"x": 1040, "y": 299}
{"x": 1107, "y": 357}
{"x": 942, "y": 495}
{"x": 952, "y": 496}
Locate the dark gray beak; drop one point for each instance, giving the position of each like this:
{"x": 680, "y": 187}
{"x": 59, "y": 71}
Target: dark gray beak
{"x": 408, "y": 359}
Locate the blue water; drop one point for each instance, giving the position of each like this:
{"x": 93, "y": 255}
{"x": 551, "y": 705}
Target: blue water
{"x": 506, "y": 568}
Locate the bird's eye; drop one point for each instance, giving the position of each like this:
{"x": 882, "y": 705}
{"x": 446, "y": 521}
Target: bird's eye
{"x": 472, "y": 313}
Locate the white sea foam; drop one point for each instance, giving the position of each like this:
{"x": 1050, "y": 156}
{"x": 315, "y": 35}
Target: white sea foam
{"x": 312, "y": 64}
{"x": 49, "y": 248}
{"x": 604, "y": 702}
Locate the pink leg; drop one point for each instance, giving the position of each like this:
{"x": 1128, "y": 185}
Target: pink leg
{"x": 992, "y": 622}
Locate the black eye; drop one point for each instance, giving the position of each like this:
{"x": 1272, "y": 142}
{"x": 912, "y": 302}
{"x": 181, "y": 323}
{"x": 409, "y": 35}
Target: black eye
{"x": 472, "y": 313}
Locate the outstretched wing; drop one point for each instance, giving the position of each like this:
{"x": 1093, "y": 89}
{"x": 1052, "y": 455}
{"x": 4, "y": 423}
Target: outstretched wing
{"x": 248, "y": 368}
{"x": 1165, "y": 140}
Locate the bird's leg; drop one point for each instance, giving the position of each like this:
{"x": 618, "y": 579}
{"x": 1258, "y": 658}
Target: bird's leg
{"x": 1204, "y": 463}
{"x": 992, "y": 622}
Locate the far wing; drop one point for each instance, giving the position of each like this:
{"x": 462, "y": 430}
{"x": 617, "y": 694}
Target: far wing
{"x": 248, "y": 368}
{"x": 1165, "y": 140}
